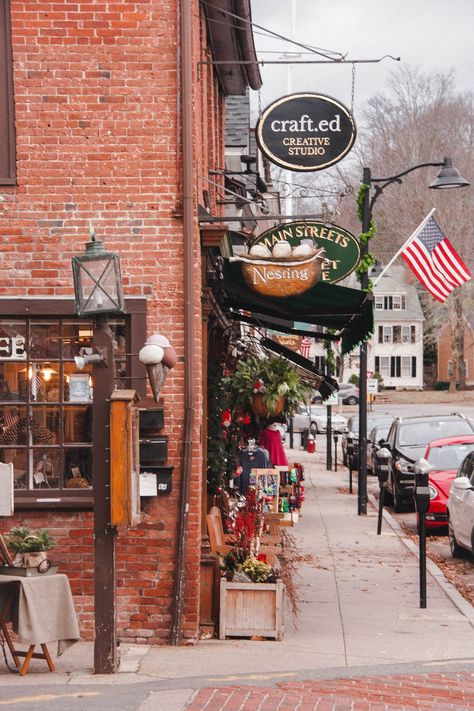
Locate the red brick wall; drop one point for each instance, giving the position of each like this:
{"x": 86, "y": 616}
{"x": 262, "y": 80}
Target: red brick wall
{"x": 98, "y": 126}
{"x": 445, "y": 352}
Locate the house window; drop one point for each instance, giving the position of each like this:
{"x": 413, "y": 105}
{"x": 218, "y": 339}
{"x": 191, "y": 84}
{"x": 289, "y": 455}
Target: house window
{"x": 320, "y": 363}
{"x": 7, "y": 120}
{"x": 384, "y": 366}
{"x": 46, "y": 404}
{"x": 379, "y": 302}
{"x": 406, "y": 366}
{"x": 450, "y": 369}
{"x": 387, "y": 334}
{"x": 398, "y": 302}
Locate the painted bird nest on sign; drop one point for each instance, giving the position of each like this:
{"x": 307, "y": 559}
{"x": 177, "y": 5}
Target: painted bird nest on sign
{"x": 278, "y": 276}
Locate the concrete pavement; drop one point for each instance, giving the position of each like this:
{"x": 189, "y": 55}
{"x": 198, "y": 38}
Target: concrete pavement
{"x": 360, "y": 618}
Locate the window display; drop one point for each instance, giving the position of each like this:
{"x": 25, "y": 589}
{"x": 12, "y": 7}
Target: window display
{"x": 46, "y": 402}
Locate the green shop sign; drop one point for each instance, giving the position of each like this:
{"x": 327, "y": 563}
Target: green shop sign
{"x": 341, "y": 248}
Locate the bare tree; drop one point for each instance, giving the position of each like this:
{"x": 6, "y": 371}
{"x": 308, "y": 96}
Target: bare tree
{"x": 422, "y": 119}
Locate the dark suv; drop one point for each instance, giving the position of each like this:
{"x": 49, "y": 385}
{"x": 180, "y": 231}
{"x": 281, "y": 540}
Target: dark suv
{"x": 351, "y": 437}
{"x": 407, "y": 440}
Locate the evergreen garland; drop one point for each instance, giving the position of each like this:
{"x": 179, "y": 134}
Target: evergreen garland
{"x": 368, "y": 260}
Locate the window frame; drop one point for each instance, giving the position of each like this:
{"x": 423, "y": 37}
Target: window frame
{"x": 7, "y": 105}
{"x": 135, "y": 329}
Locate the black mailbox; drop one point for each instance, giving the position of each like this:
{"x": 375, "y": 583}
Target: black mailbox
{"x": 153, "y": 451}
{"x": 164, "y": 478}
{"x": 151, "y": 421}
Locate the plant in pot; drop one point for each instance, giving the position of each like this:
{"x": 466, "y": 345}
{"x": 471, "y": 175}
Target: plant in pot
{"x": 269, "y": 386}
{"x": 31, "y": 546}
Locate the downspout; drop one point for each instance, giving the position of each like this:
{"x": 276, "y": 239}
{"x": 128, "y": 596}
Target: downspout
{"x": 185, "y": 21}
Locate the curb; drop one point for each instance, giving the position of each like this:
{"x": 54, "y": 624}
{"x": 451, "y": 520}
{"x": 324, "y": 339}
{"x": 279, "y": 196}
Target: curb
{"x": 448, "y": 588}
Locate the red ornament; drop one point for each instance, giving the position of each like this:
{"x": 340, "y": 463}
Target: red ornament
{"x": 226, "y": 418}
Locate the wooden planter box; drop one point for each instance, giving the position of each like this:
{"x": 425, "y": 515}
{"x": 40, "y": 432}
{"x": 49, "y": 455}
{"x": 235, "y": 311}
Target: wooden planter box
{"x": 251, "y": 609}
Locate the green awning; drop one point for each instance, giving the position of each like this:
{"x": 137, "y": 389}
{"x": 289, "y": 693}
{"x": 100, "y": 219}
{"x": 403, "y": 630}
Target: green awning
{"x": 348, "y": 311}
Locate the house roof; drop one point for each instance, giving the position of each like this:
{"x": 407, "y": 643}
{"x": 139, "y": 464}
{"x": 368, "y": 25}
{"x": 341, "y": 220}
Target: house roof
{"x": 231, "y": 40}
{"x": 394, "y": 282}
{"x": 237, "y": 121}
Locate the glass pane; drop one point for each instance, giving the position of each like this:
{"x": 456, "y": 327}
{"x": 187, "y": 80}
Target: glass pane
{"x": 13, "y": 428}
{"x": 78, "y": 423}
{"x": 117, "y": 326}
{"x": 18, "y": 458}
{"x": 44, "y": 382}
{"x": 13, "y": 381}
{"x": 46, "y": 468}
{"x": 77, "y": 384}
{"x": 44, "y": 425}
{"x": 76, "y": 335}
{"x": 78, "y": 468}
{"x": 12, "y": 340}
{"x": 44, "y": 339}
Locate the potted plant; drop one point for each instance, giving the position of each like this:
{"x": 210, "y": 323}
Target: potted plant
{"x": 269, "y": 386}
{"x": 32, "y": 546}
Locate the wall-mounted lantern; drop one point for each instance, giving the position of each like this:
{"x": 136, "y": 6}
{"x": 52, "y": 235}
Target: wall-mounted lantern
{"x": 97, "y": 281}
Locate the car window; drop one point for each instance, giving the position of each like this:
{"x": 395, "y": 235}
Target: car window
{"x": 418, "y": 433}
{"x": 466, "y": 468}
{"x": 449, "y": 456}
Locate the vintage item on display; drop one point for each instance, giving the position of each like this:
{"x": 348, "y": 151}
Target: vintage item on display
{"x": 79, "y": 387}
{"x": 5, "y": 557}
{"x": 76, "y": 480}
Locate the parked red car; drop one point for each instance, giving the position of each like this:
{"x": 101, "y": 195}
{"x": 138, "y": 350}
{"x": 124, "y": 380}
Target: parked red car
{"x": 445, "y": 457}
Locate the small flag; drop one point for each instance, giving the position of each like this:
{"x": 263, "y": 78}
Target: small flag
{"x": 305, "y": 346}
{"x": 435, "y": 262}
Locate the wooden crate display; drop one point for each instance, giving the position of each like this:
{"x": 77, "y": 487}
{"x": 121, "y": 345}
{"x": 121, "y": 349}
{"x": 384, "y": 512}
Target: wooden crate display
{"x": 251, "y": 609}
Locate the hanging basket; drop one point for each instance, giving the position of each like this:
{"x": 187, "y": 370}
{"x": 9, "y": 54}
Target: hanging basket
{"x": 260, "y": 408}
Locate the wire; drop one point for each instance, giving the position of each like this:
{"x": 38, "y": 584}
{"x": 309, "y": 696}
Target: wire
{"x": 270, "y": 32}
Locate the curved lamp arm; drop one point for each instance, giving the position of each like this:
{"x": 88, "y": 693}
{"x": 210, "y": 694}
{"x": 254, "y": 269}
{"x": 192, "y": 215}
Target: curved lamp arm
{"x": 378, "y": 189}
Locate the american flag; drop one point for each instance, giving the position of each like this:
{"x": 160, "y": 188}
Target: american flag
{"x": 305, "y": 346}
{"x": 435, "y": 262}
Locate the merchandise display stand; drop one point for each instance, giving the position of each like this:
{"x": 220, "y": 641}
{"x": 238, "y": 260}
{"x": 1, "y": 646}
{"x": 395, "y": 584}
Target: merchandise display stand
{"x": 267, "y": 484}
{"x": 291, "y": 491}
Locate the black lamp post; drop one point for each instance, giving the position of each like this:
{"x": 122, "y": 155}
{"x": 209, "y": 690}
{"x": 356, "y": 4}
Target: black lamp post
{"x": 98, "y": 294}
{"x": 448, "y": 177}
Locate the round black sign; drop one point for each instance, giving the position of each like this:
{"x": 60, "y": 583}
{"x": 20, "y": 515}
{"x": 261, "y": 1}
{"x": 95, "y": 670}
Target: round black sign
{"x": 305, "y": 132}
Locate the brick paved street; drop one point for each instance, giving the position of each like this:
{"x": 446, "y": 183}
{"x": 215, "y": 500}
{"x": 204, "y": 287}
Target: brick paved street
{"x": 384, "y": 693}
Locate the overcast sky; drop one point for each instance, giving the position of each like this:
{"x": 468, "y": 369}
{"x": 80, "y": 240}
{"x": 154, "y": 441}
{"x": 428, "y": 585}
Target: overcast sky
{"x": 435, "y": 35}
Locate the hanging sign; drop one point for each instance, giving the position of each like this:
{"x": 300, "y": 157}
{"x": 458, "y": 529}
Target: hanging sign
{"x": 305, "y": 132}
{"x": 335, "y": 249}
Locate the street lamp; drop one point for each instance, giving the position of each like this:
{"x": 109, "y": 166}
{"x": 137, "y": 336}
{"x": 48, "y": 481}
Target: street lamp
{"x": 448, "y": 177}
{"x": 98, "y": 294}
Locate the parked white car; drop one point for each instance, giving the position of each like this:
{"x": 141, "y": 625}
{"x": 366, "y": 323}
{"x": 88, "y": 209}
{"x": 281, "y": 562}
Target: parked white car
{"x": 461, "y": 509}
{"x": 315, "y": 417}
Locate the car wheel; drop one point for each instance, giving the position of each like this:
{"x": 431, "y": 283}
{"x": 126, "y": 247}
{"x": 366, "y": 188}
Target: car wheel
{"x": 398, "y": 506}
{"x": 314, "y": 426}
{"x": 352, "y": 400}
{"x": 456, "y": 550}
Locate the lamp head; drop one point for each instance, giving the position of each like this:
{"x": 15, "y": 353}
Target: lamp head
{"x": 448, "y": 177}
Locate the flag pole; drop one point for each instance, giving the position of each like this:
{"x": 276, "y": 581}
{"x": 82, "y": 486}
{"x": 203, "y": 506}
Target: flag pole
{"x": 412, "y": 236}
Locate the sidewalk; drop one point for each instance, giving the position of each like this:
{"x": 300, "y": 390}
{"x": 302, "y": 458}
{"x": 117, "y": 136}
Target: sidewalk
{"x": 360, "y": 619}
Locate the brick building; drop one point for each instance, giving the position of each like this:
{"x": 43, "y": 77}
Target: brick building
{"x": 446, "y": 366}
{"x": 111, "y": 117}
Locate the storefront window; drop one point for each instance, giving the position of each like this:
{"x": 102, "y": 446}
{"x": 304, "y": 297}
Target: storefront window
{"x": 46, "y": 403}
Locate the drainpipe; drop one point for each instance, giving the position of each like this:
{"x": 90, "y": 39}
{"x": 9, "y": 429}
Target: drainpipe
{"x": 188, "y": 288}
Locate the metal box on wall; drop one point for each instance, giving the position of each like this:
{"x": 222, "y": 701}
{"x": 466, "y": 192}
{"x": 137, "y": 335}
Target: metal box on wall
{"x": 153, "y": 451}
{"x": 164, "y": 478}
{"x": 151, "y": 421}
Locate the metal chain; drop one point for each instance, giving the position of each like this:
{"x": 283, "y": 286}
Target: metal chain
{"x": 259, "y": 103}
{"x": 353, "y": 87}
